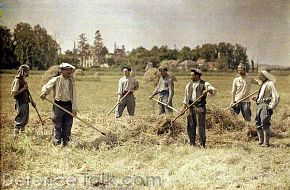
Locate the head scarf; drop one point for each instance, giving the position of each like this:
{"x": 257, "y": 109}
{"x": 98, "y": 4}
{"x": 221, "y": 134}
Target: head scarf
{"x": 23, "y": 69}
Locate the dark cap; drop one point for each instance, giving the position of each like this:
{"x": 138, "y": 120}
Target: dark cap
{"x": 125, "y": 67}
{"x": 196, "y": 70}
{"x": 162, "y": 68}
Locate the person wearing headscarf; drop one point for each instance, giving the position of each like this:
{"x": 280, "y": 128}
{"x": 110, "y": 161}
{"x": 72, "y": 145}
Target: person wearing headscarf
{"x": 197, "y": 113}
{"x": 127, "y": 84}
{"x": 20, "y": 92}
{"x": 64, "y": 94}
{"x": 241, "y": 88}
{"x": 165, "y": 89}
{"x": 267, "y": 100}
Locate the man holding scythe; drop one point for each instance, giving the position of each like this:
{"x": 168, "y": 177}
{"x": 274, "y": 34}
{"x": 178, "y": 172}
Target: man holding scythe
{"x": 197, "y": 89}
{"x": 126, "y": 88}
{"x": 240, "y": 90}
{"x": 165, "y": 89}
{"x": 19, "y": 90}
{"x": 267, "y": 100}
{"x": 64, "y": 96}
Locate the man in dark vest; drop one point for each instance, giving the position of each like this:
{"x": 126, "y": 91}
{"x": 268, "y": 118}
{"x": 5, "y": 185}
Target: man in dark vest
{"x": 19, "y": 90}
{"x": 196, "y": 115}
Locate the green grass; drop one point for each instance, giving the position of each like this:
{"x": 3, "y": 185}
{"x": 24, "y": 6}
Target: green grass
{"x": 228, "y": 164}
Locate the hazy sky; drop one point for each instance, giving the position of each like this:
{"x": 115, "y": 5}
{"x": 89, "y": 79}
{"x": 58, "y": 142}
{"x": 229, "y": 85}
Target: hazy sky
{"x": 263, "y": 26}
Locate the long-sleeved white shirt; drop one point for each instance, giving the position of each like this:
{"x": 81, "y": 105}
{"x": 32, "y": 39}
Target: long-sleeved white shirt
{"x": 269, "y": 92}
{"x": 242, "y": 87}
{"x": 63, "y": 89}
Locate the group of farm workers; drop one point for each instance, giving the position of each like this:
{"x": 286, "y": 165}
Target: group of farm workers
{"x": 195, "y": 95}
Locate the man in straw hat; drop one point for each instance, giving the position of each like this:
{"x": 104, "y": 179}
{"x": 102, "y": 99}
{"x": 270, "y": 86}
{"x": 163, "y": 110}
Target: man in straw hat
{"x": 267, "y": 100}
{"x": 19, "y": 90}
{"x": 64, "y": 95}
{"x": 196, "y": 116}
{"x": 127, "y": 85}
{"x": 240, "y": 89}
{"x": 165, "y": 89}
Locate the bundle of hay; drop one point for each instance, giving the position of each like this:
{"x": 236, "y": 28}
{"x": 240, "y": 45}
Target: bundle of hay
{"x": 172, "y": 76}
{"x": 79, "y": 72}
{"x": 49, "y": 74}
{"x": 152, "y": 76}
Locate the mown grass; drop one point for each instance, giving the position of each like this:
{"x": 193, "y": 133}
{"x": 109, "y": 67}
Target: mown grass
{"x": 32, "y": 162}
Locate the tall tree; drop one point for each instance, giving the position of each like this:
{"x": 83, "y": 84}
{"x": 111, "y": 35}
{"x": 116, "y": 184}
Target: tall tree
{"x": 44, "y": 50}
{"x": 83, "y": 48}
{"x": 98, "y": 46}
{"x": 7, "y": 56}
{"x": 23, "y": 40}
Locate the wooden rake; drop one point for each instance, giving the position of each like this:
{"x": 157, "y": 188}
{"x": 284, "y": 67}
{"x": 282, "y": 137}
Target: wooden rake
{"x": 71, "y": 114}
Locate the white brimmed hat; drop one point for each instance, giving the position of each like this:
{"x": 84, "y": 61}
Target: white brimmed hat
{"x": 66, "y": 66}
{"x": 267, "y": 74}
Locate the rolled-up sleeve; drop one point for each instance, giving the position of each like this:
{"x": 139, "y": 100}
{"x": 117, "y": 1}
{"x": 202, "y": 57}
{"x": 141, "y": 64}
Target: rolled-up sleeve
{"x": 120, "y": 88}
{"x": 208, "y": 86}
{"x": 15, "y": 86}
{"x": 186, "y": 98}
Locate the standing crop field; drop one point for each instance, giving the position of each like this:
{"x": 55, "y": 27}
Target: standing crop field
{"x": 132, "y": 155}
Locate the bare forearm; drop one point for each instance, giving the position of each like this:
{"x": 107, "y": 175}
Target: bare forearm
{"x": 16, "y": 93}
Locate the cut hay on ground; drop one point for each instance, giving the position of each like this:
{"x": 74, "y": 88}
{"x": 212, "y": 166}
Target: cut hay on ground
{"x": 221, "y": 126}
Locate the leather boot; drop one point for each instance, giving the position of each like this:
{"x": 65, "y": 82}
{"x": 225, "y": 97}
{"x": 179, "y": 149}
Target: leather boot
{"x": 260, "y": 136}
{"x": 267, "y": 138}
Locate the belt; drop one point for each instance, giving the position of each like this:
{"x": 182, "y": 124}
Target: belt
{"x": 130, "y": 93}
{"x": 266, "y": 101}
{"x": 164, "y": 93}
{"x": 63, "y": 103}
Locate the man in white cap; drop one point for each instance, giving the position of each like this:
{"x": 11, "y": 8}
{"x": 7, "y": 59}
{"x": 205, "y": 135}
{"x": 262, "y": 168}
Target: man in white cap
{"x": 267, "y": 100}
{"x": 126, "y": 84}
{"x": 196, "y": 116}
{"x": 165, "y": 89}
{"x": 19, "y": 90}
{"x": 64, "y": 95}
{"x": 241, "y": 88}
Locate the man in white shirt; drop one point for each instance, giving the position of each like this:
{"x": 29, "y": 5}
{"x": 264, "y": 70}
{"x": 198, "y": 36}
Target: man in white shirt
{"x": 126, "y": 84}
{"x": 165, "y": 89}
{"x": 196, "y": 117}
{"x": 240, "y": 89}
{"x": 267, "y": 100}
{"x": 64, "y": 93}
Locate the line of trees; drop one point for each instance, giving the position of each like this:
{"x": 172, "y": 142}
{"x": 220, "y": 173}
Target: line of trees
{"x": 226, "y": 54}
{"x": 35, "y": 47}
{"x": 27, "y": 45}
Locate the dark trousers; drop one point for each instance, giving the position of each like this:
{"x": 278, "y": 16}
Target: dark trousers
{"x": 129, "y": 102}
{"x": 196, "y": 119}
{"x": 62, "y": 122}
{"x": 245, "y": 108}
{"x": 22, "y": 116}
{"x": 263, "y": 116}
{"x": 163, "y": 109}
